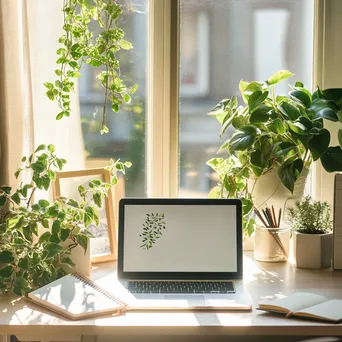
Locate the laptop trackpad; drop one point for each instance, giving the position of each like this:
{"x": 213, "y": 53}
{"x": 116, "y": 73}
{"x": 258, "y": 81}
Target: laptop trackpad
{"x": 192, "y": 300}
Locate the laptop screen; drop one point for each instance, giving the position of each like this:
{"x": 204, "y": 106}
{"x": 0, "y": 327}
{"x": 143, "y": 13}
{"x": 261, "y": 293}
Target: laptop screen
{"x": 190, "y": 236}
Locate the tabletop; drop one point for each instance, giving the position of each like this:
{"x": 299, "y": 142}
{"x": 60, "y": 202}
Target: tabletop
{"x": 262, "y": 281}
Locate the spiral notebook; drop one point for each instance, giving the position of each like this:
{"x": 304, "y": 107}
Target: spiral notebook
{"x": 77, "y": 297}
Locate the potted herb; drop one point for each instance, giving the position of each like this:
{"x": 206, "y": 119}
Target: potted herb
{"x": 312, "y": 227}
{"x": 37, "y": 238}
{"x": 276, "y": 139}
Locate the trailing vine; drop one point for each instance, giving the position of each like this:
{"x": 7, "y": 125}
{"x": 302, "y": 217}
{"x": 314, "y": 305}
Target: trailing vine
{"x": 80, "y": 45}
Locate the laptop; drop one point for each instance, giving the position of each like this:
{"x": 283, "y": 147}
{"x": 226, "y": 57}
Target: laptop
{"x": 181, "y": 254}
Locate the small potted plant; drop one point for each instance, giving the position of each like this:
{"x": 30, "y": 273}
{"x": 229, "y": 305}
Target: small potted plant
{"x": 312, "y": 226}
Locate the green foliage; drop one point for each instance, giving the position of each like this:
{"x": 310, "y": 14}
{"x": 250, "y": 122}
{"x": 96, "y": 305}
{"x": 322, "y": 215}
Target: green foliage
{"x": 28, "y": 259}
{"x": 282, "y": 132}
{"x": 310, "y": 217}
{"x": 79, "y": 45}
{"x": 152, "y": 229}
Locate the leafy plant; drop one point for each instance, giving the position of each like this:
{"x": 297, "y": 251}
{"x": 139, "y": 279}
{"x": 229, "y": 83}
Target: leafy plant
{"x": 285, "y": 133}
{"x": 81, "y": 46}
{"x": 29, "y": 258}
{"x": 152, "y": 229}
{"x": 310, "y": 217}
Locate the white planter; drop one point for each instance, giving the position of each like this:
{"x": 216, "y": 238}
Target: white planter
{"x": 269, "y": 190}
{"x": 312, "y": 250}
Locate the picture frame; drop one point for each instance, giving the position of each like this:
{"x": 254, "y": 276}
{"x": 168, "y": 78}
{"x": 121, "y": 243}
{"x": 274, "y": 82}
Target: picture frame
{"x": 103, "y": 247}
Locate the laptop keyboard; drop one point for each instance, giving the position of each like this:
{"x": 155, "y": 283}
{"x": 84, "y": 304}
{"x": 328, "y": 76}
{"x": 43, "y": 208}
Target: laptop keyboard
{"x": 181, "y": 287}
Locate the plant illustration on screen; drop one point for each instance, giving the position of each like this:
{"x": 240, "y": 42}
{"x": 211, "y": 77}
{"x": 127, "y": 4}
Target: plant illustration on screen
{"x": 152, "y": 229}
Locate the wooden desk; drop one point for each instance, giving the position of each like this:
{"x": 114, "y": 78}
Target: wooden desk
{"x": 262, "y": 280}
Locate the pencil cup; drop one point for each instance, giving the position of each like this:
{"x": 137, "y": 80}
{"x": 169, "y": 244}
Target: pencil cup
{"x": 271, "y": 244}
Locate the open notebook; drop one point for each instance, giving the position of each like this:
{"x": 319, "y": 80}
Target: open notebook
{"x": 76, "y": 297}
{"x": 306, "y": 305}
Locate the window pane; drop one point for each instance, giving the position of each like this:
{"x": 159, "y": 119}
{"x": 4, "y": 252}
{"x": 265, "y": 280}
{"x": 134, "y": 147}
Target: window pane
{"x": 126, "y": 139}
{"x": 222, "y": 42}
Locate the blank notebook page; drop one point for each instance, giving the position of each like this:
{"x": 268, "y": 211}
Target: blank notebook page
{"x": 331, "y": 309}
{"x": 75, "y": 295}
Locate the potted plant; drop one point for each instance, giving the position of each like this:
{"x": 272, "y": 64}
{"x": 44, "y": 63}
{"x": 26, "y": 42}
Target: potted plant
{"x": 312, "y": 227}
{"x": 276, "y": 138}
{"x": 29, "y": 259}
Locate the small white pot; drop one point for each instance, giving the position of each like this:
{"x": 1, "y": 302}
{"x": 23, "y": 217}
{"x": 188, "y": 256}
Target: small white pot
{"x": 312, "y": 250}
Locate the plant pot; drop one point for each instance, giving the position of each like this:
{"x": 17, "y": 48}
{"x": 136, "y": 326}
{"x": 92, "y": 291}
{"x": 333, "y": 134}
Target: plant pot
{"x": 270, "y": 190}
{"x": 80, "y": 258}
{"x": 312, "y": 250}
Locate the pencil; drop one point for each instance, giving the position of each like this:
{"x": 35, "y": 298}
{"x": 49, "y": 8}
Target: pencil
{"x": 279, "y": 217}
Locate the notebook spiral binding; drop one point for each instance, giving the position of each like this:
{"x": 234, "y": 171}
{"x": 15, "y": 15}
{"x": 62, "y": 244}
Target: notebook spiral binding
{"x": 98, "y": 288}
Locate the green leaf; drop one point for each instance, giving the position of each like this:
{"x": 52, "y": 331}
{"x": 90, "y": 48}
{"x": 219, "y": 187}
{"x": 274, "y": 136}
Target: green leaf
{"x": 243, "y": 138}
{"x": 13, "y": 221}
{"x": 279, "y": 76}
{"x": 16, "y": 198}
{"x": 256, "y": 99}
{"x": 52, "y": 249}
{"x": 301, "y": 95}
{"x": 297, "y": 127}
{"x": 276, "y": 126}
{"x": 339, "y": 135}
{"x": 289, "y": 172}
{"x": 73, "y": 203}
{"x": 6, "y": 271}
{"x": 284, "y": 148}
{"x": 6, "y": 257}
{"x": 43, "y": 203}
{"x": 324, "y": 109}
{"x": 289, "y": 111}
{"x": 127, "y": 98}
{"x": 97, "y": 199}
{"x": 67, "y": 261}
{"x": 82, "y": 241}
{"x": 128, "y": 164}
{"x": 48, "y": 85}
{"x": 335, "y": 95}
{"x": 21, "y": 283}
{"x": 45, "y": 223}
{"x": 64, "y": 234}
{"x": 56, "y": 227}
{"x": 258, "y": 159}
{"x": 247, "y": 206}
{"x": 6, "y": 189}
{"x": 88, "y": 216}
{"x": 124, "y": 44}
{"x": 250, "y": 226}
{"x": 23, "y": 263}
{"x": 133, "y": 89}
{"x": 45, "y": 237}
{"x": 332, "y": 159}
{"x": 38, "y": 167}
{"x": 104, "y": 130}
{"x": 3, "y": 200}
{"x": 319, "y": 143}
{"x": 60, "y": 116}
{"x": 40, "y": 148}
{"x": 261, "y": 114}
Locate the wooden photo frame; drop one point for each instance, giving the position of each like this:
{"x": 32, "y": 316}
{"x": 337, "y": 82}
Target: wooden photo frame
{"x": 104, "y": 246}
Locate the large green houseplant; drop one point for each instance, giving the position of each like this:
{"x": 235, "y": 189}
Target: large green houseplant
{"x": 285, "y": 133}
{"x": 28, "y": 259}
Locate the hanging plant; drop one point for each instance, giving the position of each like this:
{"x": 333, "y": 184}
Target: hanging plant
{"x": 80, "y": 45}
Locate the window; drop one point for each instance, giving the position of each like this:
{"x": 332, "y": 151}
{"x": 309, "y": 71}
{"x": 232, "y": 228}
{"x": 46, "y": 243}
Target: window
{"x": 222, "y": 42}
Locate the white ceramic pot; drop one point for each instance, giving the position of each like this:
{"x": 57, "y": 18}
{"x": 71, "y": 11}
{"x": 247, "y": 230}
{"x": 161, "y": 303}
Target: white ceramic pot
{"x": 269, "y": 190}
{"x": 312, "y": 250}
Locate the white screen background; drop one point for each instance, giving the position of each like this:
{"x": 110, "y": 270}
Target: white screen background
{"x": 197, "y": 238}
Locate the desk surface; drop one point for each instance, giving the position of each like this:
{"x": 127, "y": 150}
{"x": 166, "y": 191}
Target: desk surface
{"x": 262, "y": 280}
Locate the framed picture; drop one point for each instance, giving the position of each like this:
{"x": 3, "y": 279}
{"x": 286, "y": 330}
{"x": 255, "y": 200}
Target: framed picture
{"x": 103, "y": 246}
